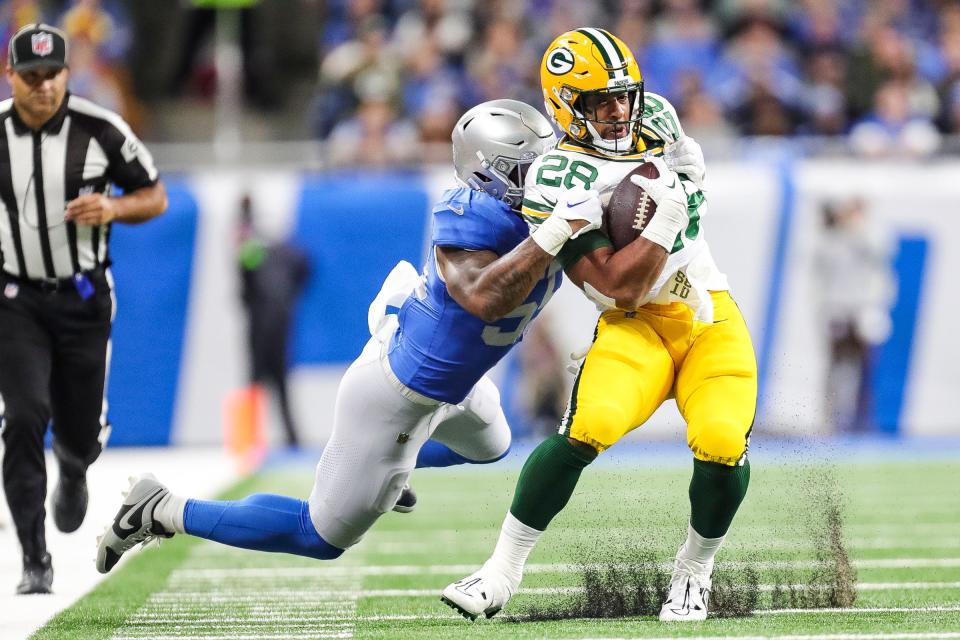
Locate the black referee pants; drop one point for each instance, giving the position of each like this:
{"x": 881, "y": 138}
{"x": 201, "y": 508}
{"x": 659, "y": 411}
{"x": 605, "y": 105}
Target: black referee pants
{"x": 53, "y": 365}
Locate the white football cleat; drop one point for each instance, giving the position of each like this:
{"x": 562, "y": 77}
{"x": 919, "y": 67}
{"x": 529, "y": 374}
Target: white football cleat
{"x": 484, "y": 592}
{"x": 689, "y": 592}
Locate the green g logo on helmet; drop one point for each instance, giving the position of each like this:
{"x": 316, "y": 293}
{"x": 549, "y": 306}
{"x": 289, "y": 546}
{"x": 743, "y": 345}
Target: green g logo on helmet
{"x": 560, "y": 61}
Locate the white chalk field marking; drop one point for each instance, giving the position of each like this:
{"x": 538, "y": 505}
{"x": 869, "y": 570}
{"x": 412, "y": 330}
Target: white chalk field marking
{"x": 279, "y": 594}
{"x": 907, "y": 543}
{"x": 173, "y": 616}
{"x": 253, "y": 607}
{"x": 260, "y": 573}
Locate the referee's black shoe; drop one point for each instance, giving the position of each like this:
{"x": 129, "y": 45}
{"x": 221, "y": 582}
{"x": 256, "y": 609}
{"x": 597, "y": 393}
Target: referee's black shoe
{"x": 70, "y": 498}
{"x": 37, "y": 575}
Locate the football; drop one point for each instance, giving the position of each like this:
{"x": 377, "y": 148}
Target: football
{"x": 630, "y": 208}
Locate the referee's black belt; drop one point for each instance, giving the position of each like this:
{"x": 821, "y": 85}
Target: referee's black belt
{"x": 53, "y": 285}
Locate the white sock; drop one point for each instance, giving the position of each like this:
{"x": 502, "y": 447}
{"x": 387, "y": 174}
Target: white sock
{"x": 169, "y": 512}
{"x": 514, "y": 545}
{"x": 700, "y": 549}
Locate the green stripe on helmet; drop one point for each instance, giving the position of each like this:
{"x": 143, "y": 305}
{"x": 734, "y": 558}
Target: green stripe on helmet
{"x": 614, "y": 45}
{"x": 622, "y": 66}
{"x": 603, "y": 50}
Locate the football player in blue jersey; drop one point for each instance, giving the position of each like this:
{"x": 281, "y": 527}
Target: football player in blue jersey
{"x": 417, "y": 395}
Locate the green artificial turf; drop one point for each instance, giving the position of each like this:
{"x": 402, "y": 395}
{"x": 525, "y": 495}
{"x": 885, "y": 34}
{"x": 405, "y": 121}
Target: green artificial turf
{"x": 899, "y": 523}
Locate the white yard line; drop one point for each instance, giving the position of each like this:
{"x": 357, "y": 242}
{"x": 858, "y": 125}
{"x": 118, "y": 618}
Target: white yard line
{"x": 879, "y": 543}
{"x": 854, "y": 529}
{"x": 174, "y": 616}
{"x": 240, "y": 593}
{"x": 454, "y": 569}
{"x": 200, "y": 472}
{"x": 304, "y": 615}
{"x": 935, "y": 609}
{"x": 906, "y": 531}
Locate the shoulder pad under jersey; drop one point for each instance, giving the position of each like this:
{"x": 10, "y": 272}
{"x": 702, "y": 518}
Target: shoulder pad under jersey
{"x": 468, "y": 219}
{"x": 660, "y": 120}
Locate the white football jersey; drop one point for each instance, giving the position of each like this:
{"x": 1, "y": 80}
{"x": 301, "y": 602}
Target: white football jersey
{"x": 690, "y": 271}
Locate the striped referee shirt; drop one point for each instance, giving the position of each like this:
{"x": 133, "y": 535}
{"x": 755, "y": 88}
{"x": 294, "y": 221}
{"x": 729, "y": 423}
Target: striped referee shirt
{"x": 82, "y": 149}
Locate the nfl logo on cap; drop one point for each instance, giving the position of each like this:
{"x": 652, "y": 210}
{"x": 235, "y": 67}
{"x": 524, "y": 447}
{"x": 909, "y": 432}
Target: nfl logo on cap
{"x": 42, "y": 43}
{"x": 37, "y": 45}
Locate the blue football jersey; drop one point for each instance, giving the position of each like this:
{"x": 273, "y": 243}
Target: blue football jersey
{"x": 440, "y": 349}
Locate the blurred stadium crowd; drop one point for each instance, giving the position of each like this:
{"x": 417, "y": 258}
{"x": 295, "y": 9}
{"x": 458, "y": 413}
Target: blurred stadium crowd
{"x": 382, "y": 82}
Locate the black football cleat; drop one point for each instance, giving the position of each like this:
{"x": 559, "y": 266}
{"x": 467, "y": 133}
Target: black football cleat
{"x": 133, "y": 523}
{"x": 407, "y": 500}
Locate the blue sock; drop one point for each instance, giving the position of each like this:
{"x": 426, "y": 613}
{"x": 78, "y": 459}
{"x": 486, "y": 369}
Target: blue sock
{"x": 437, "y": 454}
{"x": 263, "y": 522}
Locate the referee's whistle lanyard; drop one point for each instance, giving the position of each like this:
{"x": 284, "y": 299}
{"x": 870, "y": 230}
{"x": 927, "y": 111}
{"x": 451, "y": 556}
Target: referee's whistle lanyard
{"x": 81, "y": 281}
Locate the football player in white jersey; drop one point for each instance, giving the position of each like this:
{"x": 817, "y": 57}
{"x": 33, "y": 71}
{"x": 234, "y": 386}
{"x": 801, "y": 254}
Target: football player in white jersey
{"x": 417, "y": 395}
{"x": 668, "y": 326}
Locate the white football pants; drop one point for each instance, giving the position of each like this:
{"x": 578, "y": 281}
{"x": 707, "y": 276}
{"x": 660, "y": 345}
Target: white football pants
{"x": 379, "y": 426}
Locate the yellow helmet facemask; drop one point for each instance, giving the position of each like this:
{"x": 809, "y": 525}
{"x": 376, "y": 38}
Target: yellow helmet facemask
{"x": 584, "y": 69}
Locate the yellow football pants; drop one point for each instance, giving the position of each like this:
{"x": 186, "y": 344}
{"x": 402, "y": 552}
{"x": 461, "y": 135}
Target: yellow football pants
{"x": 639, "y": 359}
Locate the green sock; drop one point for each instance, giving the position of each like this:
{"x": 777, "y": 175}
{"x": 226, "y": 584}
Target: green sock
{"x": 547, "y": 481}
{"x": 716, "y": 491}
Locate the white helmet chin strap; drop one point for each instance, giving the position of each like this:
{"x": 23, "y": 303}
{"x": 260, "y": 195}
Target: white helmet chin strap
{"x": 616, "y": 145}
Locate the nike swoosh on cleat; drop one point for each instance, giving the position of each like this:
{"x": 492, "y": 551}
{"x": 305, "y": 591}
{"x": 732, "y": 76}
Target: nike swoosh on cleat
{"x": 111, "y": 559}
{"x": 123, "y": 525}
{"x": 463, "y": 590}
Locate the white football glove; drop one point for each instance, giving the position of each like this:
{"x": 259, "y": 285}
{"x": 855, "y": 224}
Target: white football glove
{"x": 580, "y": 204}
{"x": 671, "y": 199}
{"x": 685, "y": 156}
{"x": 574, "y": 204}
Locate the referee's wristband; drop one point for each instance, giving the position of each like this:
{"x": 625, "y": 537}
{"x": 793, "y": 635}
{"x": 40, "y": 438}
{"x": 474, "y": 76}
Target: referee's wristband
{"x": 552, "y": 234}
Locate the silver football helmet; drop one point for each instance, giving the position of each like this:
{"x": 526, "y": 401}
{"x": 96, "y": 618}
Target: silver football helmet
{"x": 495, "y": 143}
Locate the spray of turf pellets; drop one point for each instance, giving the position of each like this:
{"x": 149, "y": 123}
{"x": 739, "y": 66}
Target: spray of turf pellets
{"x": 630, "y": 582}
{"x": 633, "y": 585}
{"x": 636, "y": 584}
{"x": 833, "y": 580}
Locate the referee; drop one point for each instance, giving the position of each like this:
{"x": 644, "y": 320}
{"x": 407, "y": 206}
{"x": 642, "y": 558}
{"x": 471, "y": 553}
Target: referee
{"x": 59, "y": 156}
